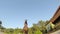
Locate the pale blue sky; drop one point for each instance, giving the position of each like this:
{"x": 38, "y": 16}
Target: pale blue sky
{"x": 14, "y": 12}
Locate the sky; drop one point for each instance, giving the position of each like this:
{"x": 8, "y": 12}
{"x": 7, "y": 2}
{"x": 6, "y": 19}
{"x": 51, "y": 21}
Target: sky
{"x": 14, "y": 12}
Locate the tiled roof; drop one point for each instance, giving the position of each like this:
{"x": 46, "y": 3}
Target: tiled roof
{"x": 56, "y": 15}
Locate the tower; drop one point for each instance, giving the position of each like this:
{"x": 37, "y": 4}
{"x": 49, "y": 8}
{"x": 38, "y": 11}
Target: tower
{"x": 25, "y": 28}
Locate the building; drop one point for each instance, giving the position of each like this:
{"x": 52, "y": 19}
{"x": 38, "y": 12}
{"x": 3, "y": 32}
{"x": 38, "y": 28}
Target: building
{"x": 25, "y": 28}
{"x": 54, "y": 21}
{"x": 56, "y": 17}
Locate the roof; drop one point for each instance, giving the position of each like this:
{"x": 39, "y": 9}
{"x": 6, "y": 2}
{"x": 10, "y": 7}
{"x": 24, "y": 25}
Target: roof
{"x": 56, "y": 15}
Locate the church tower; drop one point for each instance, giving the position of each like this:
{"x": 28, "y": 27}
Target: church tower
{"x": 25, "y": 29}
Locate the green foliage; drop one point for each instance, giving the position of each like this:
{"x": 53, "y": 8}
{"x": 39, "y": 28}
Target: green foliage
{"x": 0, "y": 24}
{"x": 38, "y": 28}
{"x": 37, "y": 32}
{"x": 13, "y": 31}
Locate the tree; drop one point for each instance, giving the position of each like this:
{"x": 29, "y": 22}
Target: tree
{"x": 0, "y": 23}
{"x": 35, "y": 29}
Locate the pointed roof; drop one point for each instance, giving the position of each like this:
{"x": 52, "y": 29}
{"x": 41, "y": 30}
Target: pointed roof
{"x": 25, "y": 21}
